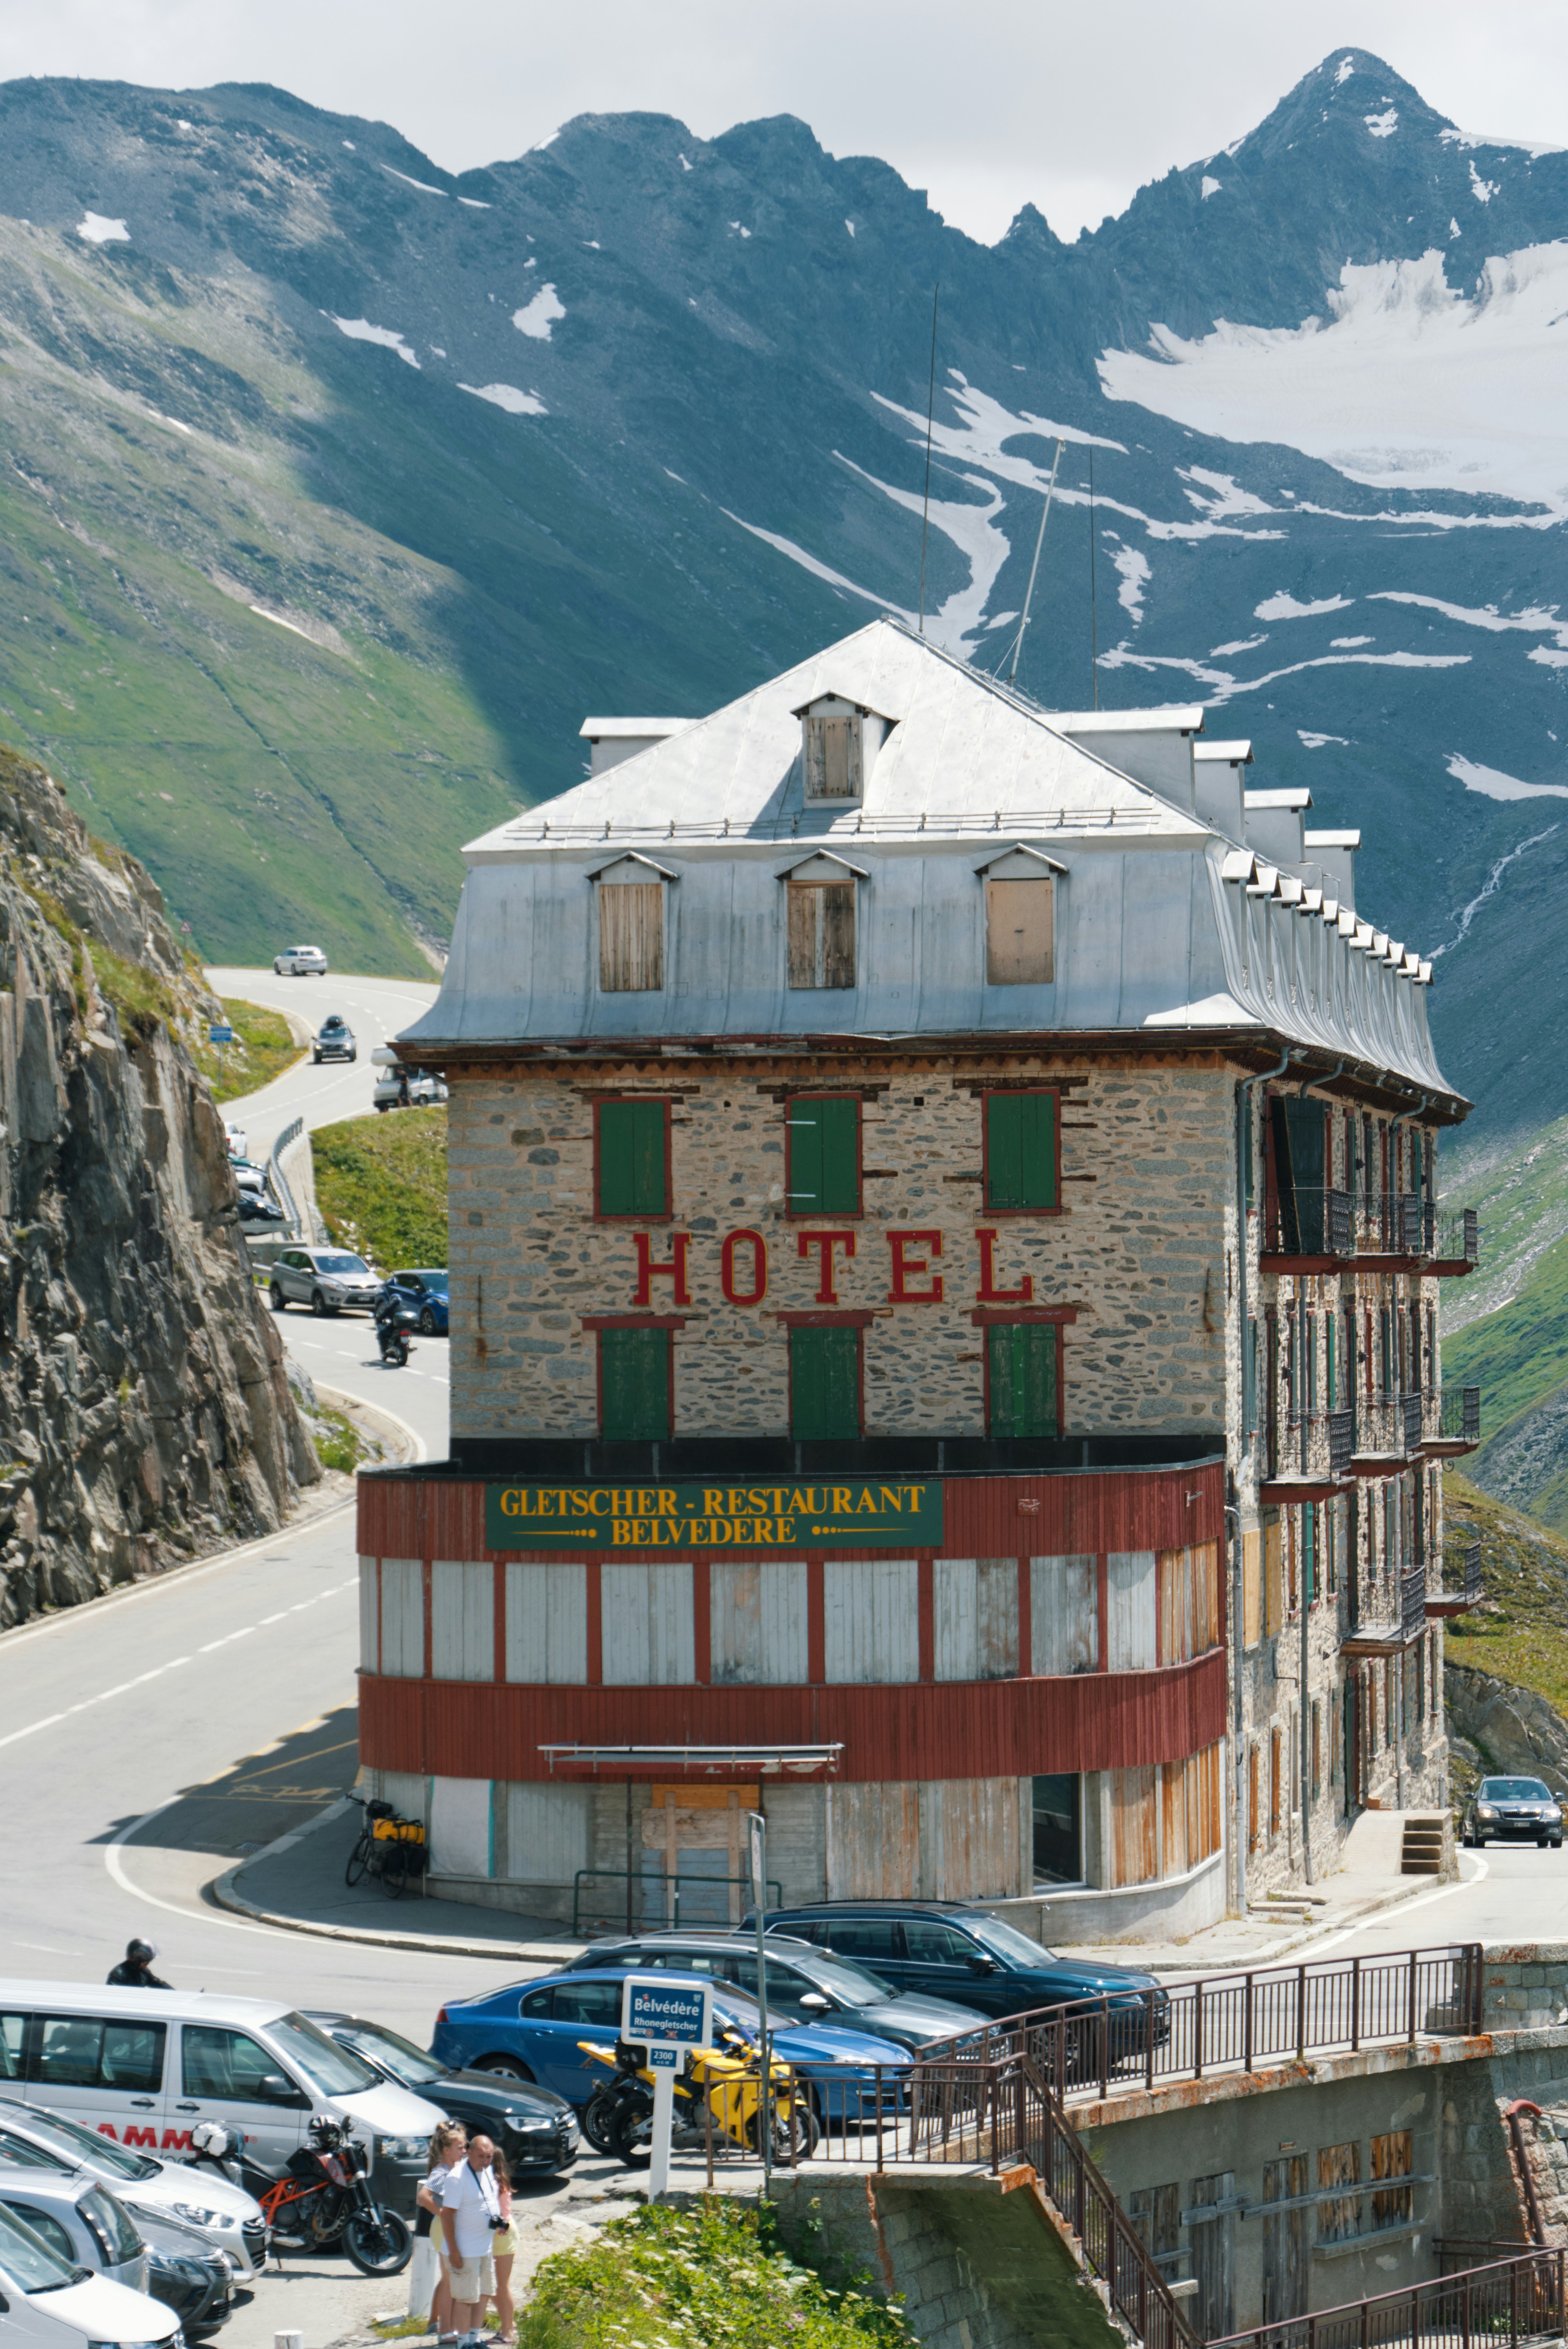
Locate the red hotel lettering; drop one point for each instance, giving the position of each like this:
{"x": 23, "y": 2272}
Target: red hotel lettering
{"x": 148, "y": 2137}
{"x": 176, "y": 2140}
{"x": 649, "y": 1271}
{"x": 733, "y": 1295}
{"x": 906, "y": 1267}
{"x": 989, "y": 1293}
{"x": 825, "y": 1243}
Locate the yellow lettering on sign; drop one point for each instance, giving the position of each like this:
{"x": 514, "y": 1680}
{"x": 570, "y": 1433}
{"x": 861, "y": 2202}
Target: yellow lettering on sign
{"x": 509, "y": 1503}
{"x": 893, "y": 1496}
{"x": 840, "y": 1504}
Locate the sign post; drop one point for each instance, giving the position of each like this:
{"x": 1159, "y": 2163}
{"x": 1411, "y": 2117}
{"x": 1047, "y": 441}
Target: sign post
{"x": 220, "y": 1035}
{"x": 757, "y": 1854}
{"x": 666, "y": 2018}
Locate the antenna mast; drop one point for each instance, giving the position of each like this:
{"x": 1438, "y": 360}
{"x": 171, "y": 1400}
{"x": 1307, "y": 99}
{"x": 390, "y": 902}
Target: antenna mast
{"x": 1039, "y": 542}
{"x": 930, "y": 418}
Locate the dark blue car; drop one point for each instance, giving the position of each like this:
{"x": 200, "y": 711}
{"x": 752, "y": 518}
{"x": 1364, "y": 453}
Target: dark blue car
{"x": 422, "y": 1299}
{"x": 532, "y": 2029}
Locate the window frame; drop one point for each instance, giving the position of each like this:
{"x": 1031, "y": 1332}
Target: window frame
{"x": 793, "y": 888}
{"x": 820, "y": 1212}
{"x": 1046, "y": 880}
{"x": 650, "y": 880}
{"x": 818, "y": 715}
{"x": 854, "y": 1324}
{"x": 1016, "y": 1093}
{"x": 665, "y": 1104}
{"x": 652, "y": 1328}
{"x": 1024, "y": 1321}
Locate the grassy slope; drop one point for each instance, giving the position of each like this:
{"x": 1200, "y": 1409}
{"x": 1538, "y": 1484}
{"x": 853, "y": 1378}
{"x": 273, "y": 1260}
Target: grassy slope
{"x": 1521, "y": 1632}
{"x": 381, "y": 1185}
{"x": 264, "y": 1047}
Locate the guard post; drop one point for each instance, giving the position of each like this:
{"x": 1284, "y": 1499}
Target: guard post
{"x": 669, "y": 2019}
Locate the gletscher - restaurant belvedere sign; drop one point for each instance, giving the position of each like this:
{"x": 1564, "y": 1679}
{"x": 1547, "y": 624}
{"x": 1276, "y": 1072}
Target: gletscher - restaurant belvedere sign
{"x": 847, "y": 1513}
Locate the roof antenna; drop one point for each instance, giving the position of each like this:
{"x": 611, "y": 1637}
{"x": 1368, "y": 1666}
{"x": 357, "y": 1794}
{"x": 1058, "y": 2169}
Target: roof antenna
{"x": 929, "y": 417}
{"x": 1029, "y": 597}
{"x": 1093, "y": 607}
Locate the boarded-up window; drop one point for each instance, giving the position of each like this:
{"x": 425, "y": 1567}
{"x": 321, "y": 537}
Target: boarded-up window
{"x": 1255, "y": 1818}
{"x": 1339, "y": 2214}
{"x": 630, "y": 1166}
{"x": 1018, "y": 934}
{"x": 823, "y": 1155}
{"x": 1276, "y": 1789}
{"x": 547, "y": 1623}
{"x": 1020, "y": 1153}
{"x": 834, "y": 760}
{"x": 1211, "y": 2244}
{"x": 648, "y": 1638}
{"x": 463, "y": 1619}
{"x": 1285, "y": 2239}
{"x": 403, "y": 1619}
{"x": 1188, "y": 1602}
{"x": 1274, "y": 1578}
{"x": 758, "y": 1622}
{"x": 1134, "y": 1825}
{"x": 1391, "y": 2158}
{"x": 824, "y": 1384}
{"x": 1191, "y": 1792}
{"x": 635, "y": 1385}
{"x": 1251, "y": 1589}
{"x": 1064, "y": 1614}
{"x": 1021, "y": 1395}
{"x": 631, "y": 937}
{"x": 871, "y": 1620}
{"x": 1130, "y": 1620}
{"x": 976, "y": 1618}
{"x": 821, "y": 933}
{"x": 1156, "y": 2215}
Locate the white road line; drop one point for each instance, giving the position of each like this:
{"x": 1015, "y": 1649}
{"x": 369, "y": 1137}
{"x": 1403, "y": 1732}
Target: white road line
{"x": 87, "y": 1703}
{"x": 112, "y": 1860}
{"x": 224, "y": 1642}
{"x": 1405, "y": 1910}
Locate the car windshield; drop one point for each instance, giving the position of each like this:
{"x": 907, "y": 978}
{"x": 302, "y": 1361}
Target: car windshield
{"x": 100, "y": 2152}
{"x": 332, "y": 2070}
{"x": 113, "y": 2224}
{"x": 1513, "y": 1790}
{"x": 1005, "y": 1942}
{"x": 29, "y": 2260}
{"x": 857, "y": 1983}
{"x": 402, "y": 2058}
{"x": 324, "y": 1262}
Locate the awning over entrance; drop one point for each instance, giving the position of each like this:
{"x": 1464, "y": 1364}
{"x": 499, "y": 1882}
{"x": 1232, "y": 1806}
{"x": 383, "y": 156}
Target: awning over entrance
{"x": 692, "y": 1760}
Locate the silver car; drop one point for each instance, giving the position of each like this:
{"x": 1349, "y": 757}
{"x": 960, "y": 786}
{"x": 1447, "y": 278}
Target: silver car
{"x": 79, "y": 2220}
{"x": 324, "y": 1278}
{"x": 300, "y": 962}
{"x": 155, "y": 2192}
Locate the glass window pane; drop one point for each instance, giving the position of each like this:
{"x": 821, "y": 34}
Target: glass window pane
{"x": 69, "y": 2049}
{"x": 218, "y": 2062}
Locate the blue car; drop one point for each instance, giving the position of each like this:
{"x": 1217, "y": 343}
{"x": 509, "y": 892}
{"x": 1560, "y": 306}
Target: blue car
{"x": 530, "y": 2031}
{"x": 422, "y": 1296}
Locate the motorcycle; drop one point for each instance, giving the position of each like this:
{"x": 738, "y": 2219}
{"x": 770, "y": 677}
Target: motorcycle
{"x": 392, "y": 1337}
{"x": 324, "y": 2197}
{"x": 724, "y": 2082}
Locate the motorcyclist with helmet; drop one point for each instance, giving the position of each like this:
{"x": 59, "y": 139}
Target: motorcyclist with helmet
{"x": 135, "y": 1970}
{"x": 392, "y": 1338}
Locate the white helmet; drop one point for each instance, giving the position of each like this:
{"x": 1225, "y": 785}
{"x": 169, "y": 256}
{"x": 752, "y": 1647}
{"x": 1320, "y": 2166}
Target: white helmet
{"x": 211, "y": 2137}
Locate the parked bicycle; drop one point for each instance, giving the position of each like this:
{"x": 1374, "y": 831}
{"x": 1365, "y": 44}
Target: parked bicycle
{"x": 389, "y": 1846}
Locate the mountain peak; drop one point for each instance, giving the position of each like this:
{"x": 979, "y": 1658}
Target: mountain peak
{"x": 1354, "y": 92}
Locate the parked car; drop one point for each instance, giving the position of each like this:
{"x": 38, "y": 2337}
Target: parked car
{"x": 195, "y": 2284}
{"x": 805, "y": 1984}
{"x": 45, "y": 2294}
{"x": 1517, "y": 1810}
{"x": 333, "y": 1040}
{"x": 300, "y": 962}
{"x": 407, "y": 1089}
{"x": 80, "y": 2220}
{"x": 159, "y": 2195}
{"x": 258, "y": 1212}
{"x": 941, "y": 1949}
{"x": 536, "y": 2129}
{"x": 235, "y": 1137}
{"x": 326, "y": 1279}
{"x": 423, "y": 1295}
{"x": 532, "y": 2029}
{"x": 247, "y": 1175}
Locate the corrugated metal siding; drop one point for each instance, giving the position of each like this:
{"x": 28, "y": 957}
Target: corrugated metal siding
{"x": 420, "y": 1516}
{"x": 402, "y": 1618}
{"x": 1131, "y": 1619}
{"x": 1134, "y": 1826}
{"x": 873, "y": 1620}
{"x": 1064, "y": 1614}
{"x": 547, "y": 1623}
{"x": 874, "y": 1843}
{"x": 977, "y": 1619}
{"x": 648, "y": 1635}
{"x": 1188, "y": 1602}
{"x": 462, "y": 1621}
{"x": 549, "y": 1832}
{"x": 461, "y": 1826}
{"x": 797, "y": 1840}
{"x": 758, "y": 1618}
{"x": 370, "y": 1615}
{"x": 985, "y": 1728}
{"x": 970, "y": 1842}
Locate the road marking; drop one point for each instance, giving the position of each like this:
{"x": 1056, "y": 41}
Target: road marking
{"x": 1405, "y": 1909}
{"x": 87, "y": 1703}
{"x": 223, "y": 1642}
{"x": 48, "y": 1949}
{"x": 333, "y": 1591}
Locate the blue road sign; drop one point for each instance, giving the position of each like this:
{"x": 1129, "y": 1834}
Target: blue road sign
{"x": 658, "y": 2012}
{"x": 220, "y": 1035}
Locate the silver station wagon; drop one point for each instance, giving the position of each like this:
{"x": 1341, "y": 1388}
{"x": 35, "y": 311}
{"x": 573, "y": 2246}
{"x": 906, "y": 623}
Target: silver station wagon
{"x": 324, "y": 1278}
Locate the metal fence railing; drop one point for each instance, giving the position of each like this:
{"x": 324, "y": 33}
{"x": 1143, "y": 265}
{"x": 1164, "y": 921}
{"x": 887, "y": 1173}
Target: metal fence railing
{"x": 650, "y": 1899}
{"x": 1457, "y": 1238}
{"x": 1508, "y": 2301}
{"x": 279, "y": 1180}
{"x": 1459, "y": 1416}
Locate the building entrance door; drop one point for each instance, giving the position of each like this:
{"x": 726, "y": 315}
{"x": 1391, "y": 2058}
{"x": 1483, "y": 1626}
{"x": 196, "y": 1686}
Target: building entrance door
{"x": 1212, "y": 2251}
{"x": 1285, "y": 2239}
{"x": 694, "y": 1838}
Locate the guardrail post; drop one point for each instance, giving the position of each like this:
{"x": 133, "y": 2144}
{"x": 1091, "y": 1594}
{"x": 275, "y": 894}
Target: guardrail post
{"x": 1465, "y": 2316}
{"x": 1198, "y": 2033}
{"x": 1247, "y": 2029}
{"x": 1300, "y": 2013}
{"x": 1355, "y": 2004}
{"x": 1513, "y": 2303}
{"x": 1104, "y": 2046}
{"x": 1149, "y": 2039}
{"x": 1411, "y": 1996}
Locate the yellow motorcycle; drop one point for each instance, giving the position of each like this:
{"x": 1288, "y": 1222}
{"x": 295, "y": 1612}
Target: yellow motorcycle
{"x": 724, "y": 2081}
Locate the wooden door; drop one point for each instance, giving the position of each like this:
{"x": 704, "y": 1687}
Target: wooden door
{"x": 1212, "y": 2251}
{"x": 1285, "y": 2239}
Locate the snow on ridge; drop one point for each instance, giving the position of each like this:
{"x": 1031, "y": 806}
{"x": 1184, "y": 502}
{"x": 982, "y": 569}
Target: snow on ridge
{"x": 1284, "y": 606}
{"x": 1210, "y": 188}
{"x": 1493, "y": 785}
{"x": 1350, "y": 643}
{"x": 507, "y": 396}
{"x": 1383, "y": 126}
{"x": 537, "y": 317}
{"x": 475, "y": 204}
{"x": 94, "y": 229}
{"x": 1482, "y": 189}
{"x": 1346, "y": 67}
{"x": 1536, "y": 619}
{"x": 423, "y": 185}
{"x": 360, "y": 330}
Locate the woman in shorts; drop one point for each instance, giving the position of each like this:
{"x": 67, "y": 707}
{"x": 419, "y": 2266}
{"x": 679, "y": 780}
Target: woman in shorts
{"x": 503, "y": 2250}
{"x": 429, "y": 2293}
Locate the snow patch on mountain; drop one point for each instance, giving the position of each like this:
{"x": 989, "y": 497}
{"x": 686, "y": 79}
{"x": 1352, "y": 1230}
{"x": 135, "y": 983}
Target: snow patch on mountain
{"x": 536, "y": 317}
{"x": 1536, "y": 619}
{"x": 1383, "y": 125}
{"x": 1218, "y": 494}
{"x": 1317, "y": 741}
{"x": 360, "y": 330}
{"x": 959, "y": 623}
{"x": 1493, "y": 785}
{"x": 1210, "y": 188}
{"x": 818, "y": 570}
{"x": 1482, "y": 189}
{"x": 423, "y": 185}
{"x": 94, "y": 229}
{"x": 1284, "y": 606}
{"x": 1412, "y": 383}
{"x": 507, "y": 396}
{"x": 1467, "y": 912}
{"x": 1135, "y": 574}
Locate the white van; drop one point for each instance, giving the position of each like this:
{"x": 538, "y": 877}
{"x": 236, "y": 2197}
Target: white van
{"x": 144, "y": 2066}
{"x": 47, "y": 2304}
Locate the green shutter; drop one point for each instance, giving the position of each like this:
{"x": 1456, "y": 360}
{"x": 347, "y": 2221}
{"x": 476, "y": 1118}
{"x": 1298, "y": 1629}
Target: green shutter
{"x": 824, "y": 1384}
{"x": 635, "y": 1385}
{"x": 824, "y": 1157}
{"x": 1024, "y": 1378}
{"x": 632, "y": 1158}
{"x": 1020, "y": 1150}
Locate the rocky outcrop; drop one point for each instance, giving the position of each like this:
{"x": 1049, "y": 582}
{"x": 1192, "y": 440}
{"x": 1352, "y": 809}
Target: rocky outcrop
{"x": 1500, "y": 1727}
{"x": 145, "y": 1415}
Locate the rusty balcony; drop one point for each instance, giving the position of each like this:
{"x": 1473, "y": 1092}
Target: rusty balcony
{"x": 1392, "y": 1614}
{"x": 1388, "y": 1432}
{"x": 1468, "y": 1593}
{"x": 1308, "y": 1229}
{"x": 1394, "y": 1227}
{"x": 1453, "y": 1421}
{"x": 1455, "y": 1246}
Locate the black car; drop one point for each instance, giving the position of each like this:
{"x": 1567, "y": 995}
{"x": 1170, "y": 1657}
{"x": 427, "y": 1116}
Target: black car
{"x": 196, "y": 2285}
{"x": 333, "y": 1040}
{"x": 945, "y": 1950}
{"x": 1516, "y": 1810}
{"x": 805, "y": 1984}
{"x": 535, "y": 2129}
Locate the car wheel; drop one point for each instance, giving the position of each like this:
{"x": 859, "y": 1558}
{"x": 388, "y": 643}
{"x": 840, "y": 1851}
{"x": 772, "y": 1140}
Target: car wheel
{"x": 1556, "y": 1843}
{"x": 276, "y": 1298}
{"x": 503, "y": 2067}
{"x": 1541, "y": 1842}
{"x": 427, "y": 1322}
{"x": 382, "y": 1108}
{"x": 318, "y": 1304}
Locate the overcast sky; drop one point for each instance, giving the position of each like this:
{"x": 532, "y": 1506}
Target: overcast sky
{"x": 987, "y": 105}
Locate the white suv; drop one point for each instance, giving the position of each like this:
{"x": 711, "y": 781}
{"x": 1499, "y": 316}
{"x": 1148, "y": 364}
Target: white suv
{"x": 300, "y": 962}
{"x": 324, "y": 1278}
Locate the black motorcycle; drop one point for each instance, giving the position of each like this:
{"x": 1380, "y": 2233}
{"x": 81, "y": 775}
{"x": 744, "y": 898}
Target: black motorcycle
{"x": 325, "y": 2198}
{"x": 392, "y": 1334}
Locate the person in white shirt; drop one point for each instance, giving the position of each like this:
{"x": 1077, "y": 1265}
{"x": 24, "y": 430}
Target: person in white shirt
{"x": 470, "y": 2213}
{"x": 428, "y": 2294}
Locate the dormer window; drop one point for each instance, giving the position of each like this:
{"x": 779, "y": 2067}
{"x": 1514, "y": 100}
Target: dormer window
{"x": 840, "y": 741}
{"x": 1020, "y": 918}
{"x": 631, "y": 894}
{"x": 820, "y": 898}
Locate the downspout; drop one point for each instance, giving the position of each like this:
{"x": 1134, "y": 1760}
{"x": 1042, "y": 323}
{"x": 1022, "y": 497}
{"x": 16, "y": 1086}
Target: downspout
{"x": 1424, "y": 1101}
{"x": 1238, "y": 1795}
{"x": 1305, "y": 1723}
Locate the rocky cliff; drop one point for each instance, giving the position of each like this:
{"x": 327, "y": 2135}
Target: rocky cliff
{"x": 145, "y": 1415}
